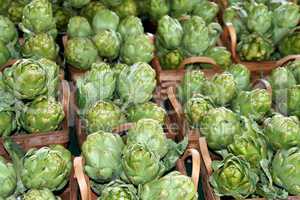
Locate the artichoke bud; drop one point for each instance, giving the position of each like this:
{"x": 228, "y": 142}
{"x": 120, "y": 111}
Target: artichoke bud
{"x": 79, "y": 27}
{"x": 8, "y": 179}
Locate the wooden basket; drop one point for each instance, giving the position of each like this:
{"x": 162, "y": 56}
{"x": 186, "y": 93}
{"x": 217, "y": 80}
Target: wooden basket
{"x": 206, "y": 171}
{"x": 71, "y": 190}
{"x": 84, "y": 182}
{"x": 37, "y": 140}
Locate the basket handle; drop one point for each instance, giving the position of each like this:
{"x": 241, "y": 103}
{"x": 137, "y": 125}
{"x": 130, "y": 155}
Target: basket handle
{"x": 81, "y": 179}
{"x": 286, "y": 59}
{"x": 65, "y": 40}
{"x": 205, "y": 155}
{"x": 264, "y": 83}
{"x": 198, "y": 59}
{"x": 233, "y": 41}
{"x": 176, "y": 105}
{"x": 66, "y": 98}
{"x": 123, "y": 127}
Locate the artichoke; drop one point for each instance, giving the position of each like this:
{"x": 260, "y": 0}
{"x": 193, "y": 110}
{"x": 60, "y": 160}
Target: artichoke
{"x": 126, "y": 8}
{"x": 170, "y": 59}
{"x": 294, "y": 67}
{"x": 157, "y": 9}
{"x": 97, "y": 84}
{"x": 15, "y": 11}
{"x": 4, "y": 4}
{"x": 105, "y": 19}
{"x": 233, "y": 177}
{"x": 103, "y": 116}
{"x": 108, "y": 43}
{"x": 43, "y": 194}
{"x": 79, "y": 27}
{"x": 259, "y": 19}
{"x": 7, "y": 120}
{"x": 91, "y": 9}
{"x": 62, "y": 16}
{"x": 40, "y": 46}
{"x": 81, "y": 53}
{"x": 293, "y": 101}
{"x": 282, "y": 78}
{"x": 173, "y": 186}
{"x": 214, "y": 32}
{"x": 220, "y": 55}
{"x": 137, "y": 48}
{"x": 4, "y": 54}
{"x": 102, "y": 152}
{"x": 254, "y": 104}
{"x": 241, "y": 75}
{"x": 285, "y": 170}
{"x": 112, "y": 2}
{"x": 290, "y": 44}
{"x": 47, "y": 167}
{"x": 8, "y": 179}
{"x": 234, "y": 16}
{"x": 130, "y": 26}
{"x": 207, "y": 10}
{"x": 8, "y": 33}
{"x": 182, "y": 7}
{"x": 136, "y": 83}
{"x": 146, "y": 110}
{"x": 219, "y": 126}
{"x": 117, "y": 190}
{"x": 282, "y": 132}
{"x": 169, "y": 32}
{"x": 221, "y": 88}
{"x": 78, "y": 3}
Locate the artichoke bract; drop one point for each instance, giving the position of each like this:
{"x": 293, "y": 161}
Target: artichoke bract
{"x": 254, "y": 104}
{"x": 8, "y": 179}
{"x": 40, "y": 46}
{"x": 221, "y": 88}
{"x": 146, "y": 110}
{"x": 97, "y": 84}
{"x": 126, "y": 8}
{"x": 285, "y": 170}
{"x": 241, "y": 75}
{"x": 43, "y": 194}
{"x": 290, "y": 45}
{"x": 78, "y": 3}
{"x": 219, "y": 126}
{"x": 137, "y": 48}
{"x": 136, "y": 83}
{"x": 79, "y": 27}
{"x": 102, "y": 152}
{"x": 47, "y": 167}
{"x": 140, "y": 164}
{"x": 7, "y": 120}
{"x": 8, "y": 32}
{"x": 293, "y": 101}
{"x": 108, "y": 43}
{"x": 118, "y": 190}
{"x": 157, "y": 9}
{"x": 42, "y": 115}
{"x": 220, "y": 55}
{"x": 81, "y": 53}
{"x": 282, "y": 132}
{"x": 103, "y": 116}
{"x": 4, "y": 54}
{"x": 173, "y": 186}
{"x": 130, "y": 26}
{"x": 207, "y": 10}
{"x": 170, "y": 59}
{"x": 233, "y": 177}
{"x": 105, "y": 19}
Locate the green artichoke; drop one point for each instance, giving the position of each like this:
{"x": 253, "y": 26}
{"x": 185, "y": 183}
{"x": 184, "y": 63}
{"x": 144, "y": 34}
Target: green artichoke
{"x": 294, "y": 67}
{"x": 105, "y": 19}
{"x": 81, "y": 53}
{"x": 157, "y": 9}
{"x": 234, "y": 16}
{"x": 4, "y": 54}
{"x": 259, "y": 19}
{"x": 108, "y": 43}
{"x": 47, "y": 167}
{"x": 241, "y": 75}
{"x": 15, "y": 11}
{"x": 102, "y": 152}
{"x": 130, "y": 26}
{"x": 8, "y": 179}
{"x": 282, "y": 132}
{"x": 4, "y": 4}
{"x": 78, "y": 3}
{"x": 182, "y": 7}
{"x": 43, "y": 194}
{"x": 118, "y": 67}
{"x": 91, "y": 9}
{"x": 146, "y": 110}
{"x": 219, "y": 126}
{"x": 222, "y": 88}
{"x": 290, "y": 44}
{"x": 62, "y": 16}
{"x": 111, "y": 2}
{"x": 117, "y": 190}
{"x": 281, "y": 78}
{"x": 173, "y": 186}
{"x": 8, "y": 33}
{"x": 220, "y": 55}
{"x": 254, "y": 47}
{"x": 169, "y": 32}
{"x": 103, "y": 116}
{"x": 207, "y": 10}
{"x": 140, "y": 164}
{"x": 137, "y": 48}
{"x": 254, "y": 104}
{"x": 40, "y": 46}
{"x": 7, "y": 120}
{"x": 293, "y": 101}
{"x": 285, "y": 170}
{"x": 214, "y": 32}
{"x": 136, "y": 83}
{"x": 233, "y": 177}
{"x": 126, "y": 8}
{"x": 79, "y": 27}
{"x": 97, "y": 84}
{"x": 170, "y": 59}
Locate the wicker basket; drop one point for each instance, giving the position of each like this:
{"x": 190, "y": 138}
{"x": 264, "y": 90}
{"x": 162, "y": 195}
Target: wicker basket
{"x": 84, "y": 182}
{"x": 71, "y": 190}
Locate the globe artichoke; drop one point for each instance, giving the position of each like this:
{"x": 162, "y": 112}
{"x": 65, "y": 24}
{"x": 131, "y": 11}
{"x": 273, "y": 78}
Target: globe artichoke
{"x": 285, "y": 170}
{"x": 103, "y": 116}
{"x": 8, "y": 32}
{"x": 118, "y": 190}
{"x": 234, "y": 15}
{"x": 281, "y": 78}
{"x": 207, "y": 10}
{"x": 221, "y": 88}
{"x": 170, "y": 59}
{"x": 62, "y": 16}
{"x": 102, "y": 152}
{"x": 40, "y": 46}
{"x": 43, "y": 194}
{"x": 78, "y": 3}
{"x": 137, "y": 83}
{"x": 97, "y": 84}
{"x": 233, "y": 177}
{"x": 7, "y": 119}
{"x": 4, "y": 4}
{"x": 182, "y": 7}
{"x": 214, "y": 32}
{"x": 4, "y": 54}
{"x": 173, "y": 186}
{"x": 81, "y": 53}
{"x": 91, "y": 9}
{"x": 42, "y": 115}
{"x": 219, "y": 126}
{"x": 130, "y": 26}
{"x": 282, "y": 132}
{"x": 293, "y": 101}
{"x": 137, "y": 48}
{"x": 47, "y": 167}
{"x": 108, "y": 43}
{"x": 112, "y": 2}
{"x": 290, "y": 44}
{"x": 126, "y": 8}
{"x": 294, "y": 67}
{"x": 241, "y": 75}
{"x": 220, "y": 55}
{"x": 157, "y": 9}
{"x": 105, "y": 19}
{"x": 146, "y": 110}
{"x": 79, "y": 27}
{"x": 8, "y": 178}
